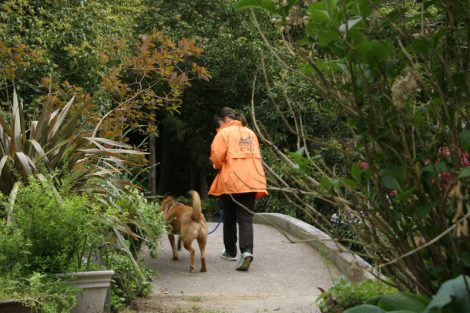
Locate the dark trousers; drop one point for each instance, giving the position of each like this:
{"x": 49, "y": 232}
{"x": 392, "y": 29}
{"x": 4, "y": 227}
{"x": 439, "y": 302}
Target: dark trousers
{"x": 235, "y": 213}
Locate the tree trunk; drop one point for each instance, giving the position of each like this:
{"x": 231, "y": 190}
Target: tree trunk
{"x": 153, "y": 160}
{"x": 166, "y": 161}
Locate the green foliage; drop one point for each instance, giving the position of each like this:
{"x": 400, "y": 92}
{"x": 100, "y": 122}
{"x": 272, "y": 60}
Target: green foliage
{"x": 153, "y": 76}
{"x": 55, "y": 226}
{"x": 40, "y": 292}
{"x": 56, "y": 230}
{"x": 128, "y": 221}
{"x": 82, "y": 216}
{"x": 97, "y": 51}
{"x": 62, "y": 229}
{"x": 345, "y": 295}
{"x": 453, "y": 296}
{"x": 266, "y": 5}
{"x": 58, "y": 140}
{"x": 368, "y": 308}
{"x": 281, "y": 9}
{"x": 401, "y": 301}
{"x": 71, "y": 34}
{"x": 140, "y": 220}
{"x": 276, "y": 203}
{"x": 14, "y": 249}
{"x": 465, "y": 140}
{"x": 126, "y": 286}
{"x": 395, "y": 73}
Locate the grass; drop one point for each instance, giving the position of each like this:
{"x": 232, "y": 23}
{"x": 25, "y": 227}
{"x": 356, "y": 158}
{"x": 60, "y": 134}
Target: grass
{"x": 195, "y": 299}
{"x": 195, "y": 309}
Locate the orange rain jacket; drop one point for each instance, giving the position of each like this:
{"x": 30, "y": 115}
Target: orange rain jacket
{"x": 235, "y": 153}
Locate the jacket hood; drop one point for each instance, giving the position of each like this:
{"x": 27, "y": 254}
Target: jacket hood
{"x": 228, "y": 124}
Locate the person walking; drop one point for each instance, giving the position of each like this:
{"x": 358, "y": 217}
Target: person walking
{"x": 240, "y": 180}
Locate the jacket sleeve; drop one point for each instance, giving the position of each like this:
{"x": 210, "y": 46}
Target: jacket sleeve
{"x": 218, "y": 151}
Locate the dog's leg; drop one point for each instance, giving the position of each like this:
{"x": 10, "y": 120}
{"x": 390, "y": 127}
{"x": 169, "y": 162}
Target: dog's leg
{"x": 202, "y": 247}
{"x": 188, "y": 246}
{"x": 171, "y": 237}
{"x": 179, "y": 243}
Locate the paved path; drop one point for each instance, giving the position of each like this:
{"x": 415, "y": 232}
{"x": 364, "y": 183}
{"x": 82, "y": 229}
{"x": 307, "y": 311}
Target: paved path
{"x": 282, "y": 278}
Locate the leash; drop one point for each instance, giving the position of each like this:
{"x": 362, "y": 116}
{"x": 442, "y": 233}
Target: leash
{"x": 218, "y": 223}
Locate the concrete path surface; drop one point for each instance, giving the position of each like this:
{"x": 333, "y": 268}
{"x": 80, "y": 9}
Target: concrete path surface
{"x": 282, "y": 278}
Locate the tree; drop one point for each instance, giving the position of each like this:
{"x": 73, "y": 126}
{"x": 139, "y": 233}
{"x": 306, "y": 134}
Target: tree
{"x": 85, "y": 50}
{"x": 70, "y": 34}
{"x": 231, "y": 48}
{"x": 396, "y": 73}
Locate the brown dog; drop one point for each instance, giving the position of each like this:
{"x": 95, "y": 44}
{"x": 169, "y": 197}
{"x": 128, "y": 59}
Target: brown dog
{"x": 189, "y": 223}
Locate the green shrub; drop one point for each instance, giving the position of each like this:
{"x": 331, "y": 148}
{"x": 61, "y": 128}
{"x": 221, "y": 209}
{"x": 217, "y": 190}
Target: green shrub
{"x": 56, "y": 226}
{"x": 126, "y": 284}
{"x": 453, "y": 297}
{"x": 142, "y": 219}
{"x": 345, "y": 295}
{"x": 54, "y": 230}
{"x": 40, "y": 292}
{"x": 391, "y": 73}
{"x": 134, "y": 221}
{"x": 14, "y": 249}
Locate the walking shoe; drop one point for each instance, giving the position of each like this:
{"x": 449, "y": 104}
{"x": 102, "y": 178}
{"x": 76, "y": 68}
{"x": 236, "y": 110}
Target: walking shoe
{"x": 245, "y": 261}
{"x": 224, "y": 255}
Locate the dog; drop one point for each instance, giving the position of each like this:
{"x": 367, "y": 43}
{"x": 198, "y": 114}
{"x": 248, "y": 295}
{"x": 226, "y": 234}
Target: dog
{"x": 189, "y": 223}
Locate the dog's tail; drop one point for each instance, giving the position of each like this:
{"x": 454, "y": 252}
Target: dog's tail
{"x": 196, "y": 206}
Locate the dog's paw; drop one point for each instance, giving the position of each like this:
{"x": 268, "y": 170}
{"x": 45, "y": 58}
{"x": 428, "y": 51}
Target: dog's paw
{"x": 191, "y": 269}
{"x": 203, "y": 269}
{"x": 175, "y": 258}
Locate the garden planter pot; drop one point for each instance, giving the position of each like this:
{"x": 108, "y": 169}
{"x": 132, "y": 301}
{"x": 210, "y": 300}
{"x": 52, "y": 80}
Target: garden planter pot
{"x": 94, "y": 290}
{"x": 13, "y": 307}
